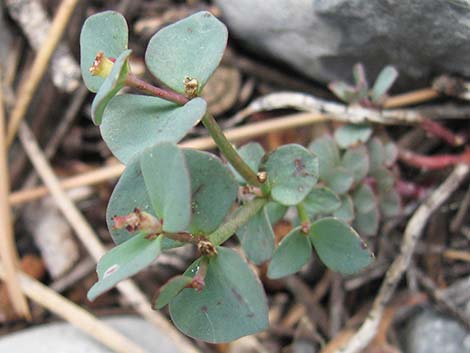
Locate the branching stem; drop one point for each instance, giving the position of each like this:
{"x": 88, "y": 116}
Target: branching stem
{"x": 241, "y": 216}
{"x": 137, "y": 83}
{"x": 209, "y": 122}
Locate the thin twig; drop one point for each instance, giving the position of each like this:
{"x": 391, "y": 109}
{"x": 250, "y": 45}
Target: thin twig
{"x": 8, "y": 252}
{"x": 411, "y": 235}
{"x": 234, "y": 135}
{"x": 411, "y": 98}
{"x": 62, "y": 128}
{"x": 440, "y": 298}
{"x": 39, "y": 67}
{"x": 90, "y": 240}
{"x": 334, "y": 111}
{"x": 74, "y": 314}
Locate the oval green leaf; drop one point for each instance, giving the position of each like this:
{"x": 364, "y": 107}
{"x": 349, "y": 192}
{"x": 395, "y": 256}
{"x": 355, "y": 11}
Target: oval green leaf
{"x": 390, "y": 203}
{"x": 384, "y": 178}
{"x": 356, "y": 160}
{"x": 170, "y": 290}
{"x": 321, "y": 200}
{"x": 346, "y": 211}
{"x": 339, "y": 247}
{"x": 276, "y": 211}
{"x": 231, "y": 305}
{"x": 213, "y": 191}
{"x": 367, "y": 223}
{"x": 364, "y": 198}
{"x": 376, "y": 153}
{"x": 131, "y": 123}
{"x": 383, "y": 83}
{"x": 352, "y": 134}
{"x": 257, "y": 237}
{"x": 340, "y": 180}
{"x": 292, "y": 173}
{"x": 192, "y": 47}
{"x": 110, "y": 87}
{"x": 168, "y": 185}
{"x": 107, "y": 32}
{"x": 129, "y": 193}
{"x": 251, "y": 153}
{"x": 293, "y": 252}
{"x": 124, "y": 261}
{"x": 326, "y": 149}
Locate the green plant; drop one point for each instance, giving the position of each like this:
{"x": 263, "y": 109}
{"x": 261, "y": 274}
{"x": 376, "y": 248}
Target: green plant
{"x": 169, "y": 196}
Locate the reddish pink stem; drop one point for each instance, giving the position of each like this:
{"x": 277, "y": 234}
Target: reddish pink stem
{"x": 442, "y": 132}
{"x": 433, "y": 162}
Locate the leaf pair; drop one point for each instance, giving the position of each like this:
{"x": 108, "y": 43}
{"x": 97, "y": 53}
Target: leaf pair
{"x": 341, "y": 172}
{"x": 188, "y": 49}
{"x": 360, "y": 93}
{"x": 338, "y": 246}
{"x": 187, "y": 190}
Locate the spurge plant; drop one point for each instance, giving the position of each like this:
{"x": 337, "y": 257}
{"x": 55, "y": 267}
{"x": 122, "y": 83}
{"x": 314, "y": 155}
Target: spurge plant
{"x": 169, "y": 197}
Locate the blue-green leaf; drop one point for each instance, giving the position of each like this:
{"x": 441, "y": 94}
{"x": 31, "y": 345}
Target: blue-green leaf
{"x": 364, "y": 198}
{"x": 107, "y": 32}
{"x": 168, "y": 185}
{"x": 192, "y": 47}
{"x": 352, "y": 134}
{"x": 124, "y": 261}
{"x": 213, "y": 191}
{"x": 110, "y": 87}
{"x": 251, "y": 153}
{"x": 131, "y": 123}
{"x": 339, "y": 247}
{"x": 346, "y": 211}
{"x": 231, "y": 305}
{"x": 383, "y": 83}
{"x": 326, "y": 149}
{"x": 356, "y": 160}
{"x": 257, "y": 237}
{"x": 292, "y": 173}
{"x": 291, "y": 255}
{"x": 321, "y": 200}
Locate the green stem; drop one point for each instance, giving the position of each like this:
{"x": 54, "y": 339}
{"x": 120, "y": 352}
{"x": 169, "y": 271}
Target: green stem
{"x": 229, "y": 151}
{"x": 209, "y": 122}
{"x": 303, "y": 217}
{"x": 242, "y": 215}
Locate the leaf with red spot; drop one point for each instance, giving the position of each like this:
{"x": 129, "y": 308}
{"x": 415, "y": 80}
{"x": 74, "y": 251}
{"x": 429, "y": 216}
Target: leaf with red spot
{"x": 292, "y": 173}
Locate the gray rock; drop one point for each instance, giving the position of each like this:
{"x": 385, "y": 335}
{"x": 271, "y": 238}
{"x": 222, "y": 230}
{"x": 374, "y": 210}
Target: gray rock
{"x": 429, "y": 332}
{"x": 64, "y": 338}
{"x": 323, "y": 39}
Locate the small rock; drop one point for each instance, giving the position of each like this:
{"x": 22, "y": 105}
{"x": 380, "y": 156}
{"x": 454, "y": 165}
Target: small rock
{"x": 324, "y": 39}
{"x": 430, "y": 332}
{"x": 64, "y": 338}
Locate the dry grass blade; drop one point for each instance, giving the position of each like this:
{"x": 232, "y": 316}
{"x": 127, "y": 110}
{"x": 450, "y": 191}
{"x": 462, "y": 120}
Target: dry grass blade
{"x": 39, "y": 67}
{"x": 234, "y": 135}
{"x": 411, "y": 236}
{"x": 8, "y": 251}
{"x": 77, "y": 316}
{"x": 90, "y": 240}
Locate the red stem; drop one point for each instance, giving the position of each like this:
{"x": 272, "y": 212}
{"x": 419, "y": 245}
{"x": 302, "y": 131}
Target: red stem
{"x": 135, "y": 82}
{"x": 442, "y": 132}
{"x": 433, "y": 162}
